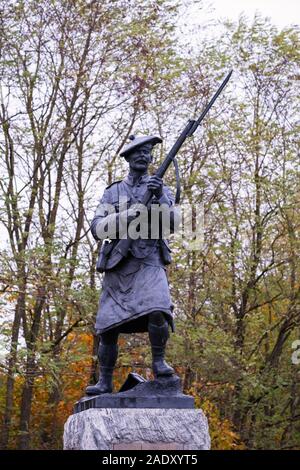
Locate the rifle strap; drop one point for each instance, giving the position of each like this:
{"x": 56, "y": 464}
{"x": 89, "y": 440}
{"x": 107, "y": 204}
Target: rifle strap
{"x": 178, "y": 186}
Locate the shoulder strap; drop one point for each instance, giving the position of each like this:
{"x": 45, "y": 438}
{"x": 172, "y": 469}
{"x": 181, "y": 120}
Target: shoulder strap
{"x": 112, "y": 184}
{"x": 114, "y": 190}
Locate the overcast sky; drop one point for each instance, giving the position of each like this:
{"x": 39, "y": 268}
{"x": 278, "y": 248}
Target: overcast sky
{"x": 281, "y": 12}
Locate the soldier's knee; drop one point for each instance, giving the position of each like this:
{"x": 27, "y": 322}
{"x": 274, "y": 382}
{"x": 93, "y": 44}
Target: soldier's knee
{"x": 157, "y": 318}
{"x": 109, "y": 337}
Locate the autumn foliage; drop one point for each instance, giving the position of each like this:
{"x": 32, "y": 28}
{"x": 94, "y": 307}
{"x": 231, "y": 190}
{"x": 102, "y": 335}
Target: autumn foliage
{"x": 77, "y": 78}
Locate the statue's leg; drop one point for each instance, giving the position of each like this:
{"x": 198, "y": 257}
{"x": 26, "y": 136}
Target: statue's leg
{"x": 107, "y": 355}
{"x": 158, "y": 329}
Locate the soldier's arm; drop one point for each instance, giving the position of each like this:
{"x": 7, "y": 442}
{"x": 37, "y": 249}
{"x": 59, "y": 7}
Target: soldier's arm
{"x": 107, "y": 221}
{"x": 104, "y": 224}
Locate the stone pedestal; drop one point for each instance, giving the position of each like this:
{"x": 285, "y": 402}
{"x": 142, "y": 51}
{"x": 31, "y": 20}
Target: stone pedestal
{"x": 153, "y": 414}
{"x": 137, "y": 429}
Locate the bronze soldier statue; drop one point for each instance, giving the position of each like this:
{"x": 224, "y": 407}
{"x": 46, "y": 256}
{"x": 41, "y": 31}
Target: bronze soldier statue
{"x": 135, "y": 293}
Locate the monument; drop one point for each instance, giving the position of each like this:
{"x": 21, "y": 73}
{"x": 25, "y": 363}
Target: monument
{"x": 133, "y": 220}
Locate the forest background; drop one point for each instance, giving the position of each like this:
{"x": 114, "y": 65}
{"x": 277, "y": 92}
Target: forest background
{"x": 77, "y": 78}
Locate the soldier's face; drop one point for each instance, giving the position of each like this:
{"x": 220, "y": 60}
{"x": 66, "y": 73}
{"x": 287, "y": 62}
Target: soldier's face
{"x": 140, "y": 158}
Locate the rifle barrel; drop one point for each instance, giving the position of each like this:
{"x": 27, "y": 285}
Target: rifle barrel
{"x": 203, "y": 114}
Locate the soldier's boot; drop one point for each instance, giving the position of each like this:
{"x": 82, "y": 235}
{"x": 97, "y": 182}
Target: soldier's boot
{"x": 158, "y": 338}
{"x": 107, "y": 354}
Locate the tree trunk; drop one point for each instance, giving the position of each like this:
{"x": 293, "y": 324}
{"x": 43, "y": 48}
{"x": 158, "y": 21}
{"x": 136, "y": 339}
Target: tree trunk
{"x": 9, "y": 402}
{"x": 26, "y": 401}
{"x": 31, "y": 371}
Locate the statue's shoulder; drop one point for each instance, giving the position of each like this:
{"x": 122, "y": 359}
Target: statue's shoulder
{"x": 111, "y": 192}
{"x": 115, "y": 182}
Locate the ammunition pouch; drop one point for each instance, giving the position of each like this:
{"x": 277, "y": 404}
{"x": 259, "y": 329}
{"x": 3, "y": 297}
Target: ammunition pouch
{"x": 105, "y": 250}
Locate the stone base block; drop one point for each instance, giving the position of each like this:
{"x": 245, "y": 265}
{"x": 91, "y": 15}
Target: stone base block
{"x": 137, "y": 429}
{"x": 164, "y": 392}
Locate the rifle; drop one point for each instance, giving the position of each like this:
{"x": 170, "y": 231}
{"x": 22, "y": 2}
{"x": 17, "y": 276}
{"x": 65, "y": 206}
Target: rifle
{"x": 111, "y": 256}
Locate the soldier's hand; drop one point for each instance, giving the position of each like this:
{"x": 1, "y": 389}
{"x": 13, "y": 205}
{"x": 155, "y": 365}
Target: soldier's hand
{"x": 155, "y": 185}
{"x": 130, "y": 214}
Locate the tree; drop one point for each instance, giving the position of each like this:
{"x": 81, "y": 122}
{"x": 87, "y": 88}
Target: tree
{"x": 78, "y": 78}
{"x": 69, "y": 79}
